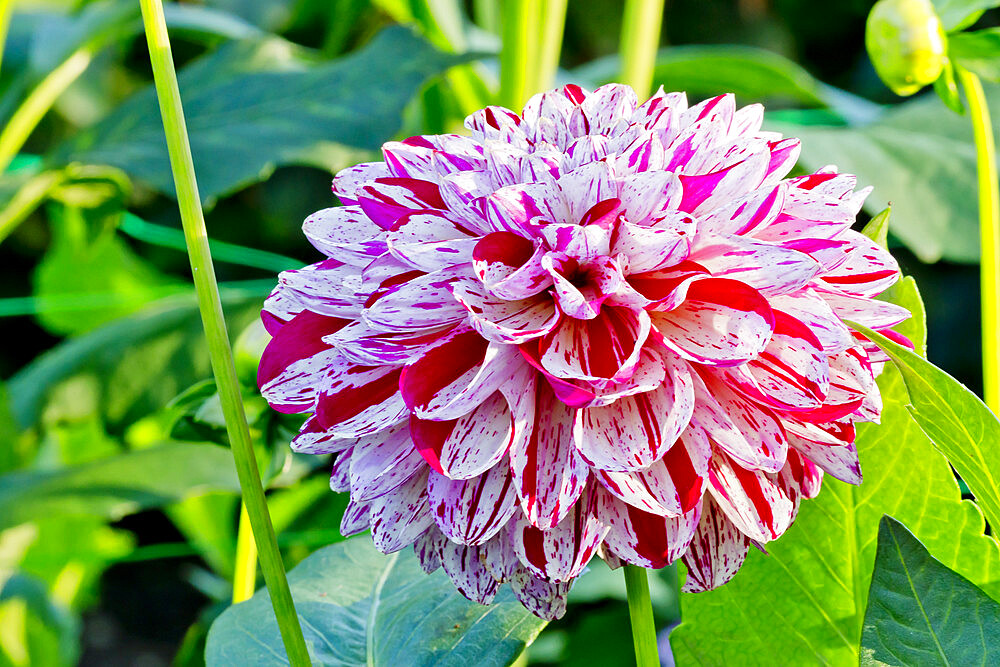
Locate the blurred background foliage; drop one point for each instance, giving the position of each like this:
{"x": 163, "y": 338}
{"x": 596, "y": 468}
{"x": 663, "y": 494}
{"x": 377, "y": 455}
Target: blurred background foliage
{"x": 118, "y": 498}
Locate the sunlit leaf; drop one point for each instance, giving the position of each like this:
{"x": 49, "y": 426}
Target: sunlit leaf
{"x": 921, "y": 613}
{"x": 805, "y": 600}
{"x": 358, "y": 607}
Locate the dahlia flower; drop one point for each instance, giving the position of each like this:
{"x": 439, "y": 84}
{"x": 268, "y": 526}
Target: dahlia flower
{"x": 598, "y": 327}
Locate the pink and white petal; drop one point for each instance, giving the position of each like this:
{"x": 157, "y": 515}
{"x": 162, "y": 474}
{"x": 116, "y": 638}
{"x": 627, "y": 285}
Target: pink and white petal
{"x": 747, "y": 121}
{"x": 717, "y": 551}
{"x": 652, "y": 248}
{"x": 703, "y": 192}
{"x": 649, "y": 196}
{"x": 471, "y": 511}
{"x": 510, "y": 266}
{"x": 561, "y": 552}
{"x": 515, "y": 208}
{"x": 604, "y": 348}
{"x": 399, "y": 517}
{"x": 543, "y": 598}
{"x": 548, "y": 473}
{"x": 314, "y": 439}
{"x": 452, "y": 378}
{"x": 357, "y": 400}
{"x": 792, "y": 373}
{"x": 582, "y": 188}
{"x": 429, "y": 548}
{"x": 723, "y": 322}
{"x": 784, "y": 155}
{"x": 800, "y": 478}
{"x": 371, "y": 346}
{"x": 644, "y": 539}
{"x": 468, "y": 446}
{"x": 467, "y": 572}
{"x": 840, "y": 461}
{"x": 810, "y": 309}
{"x": 868, "y": 271}
{"x": 747, "y": 213}
{"x": 328, "y": 288}
{"x": 751, "y": 499}
{"x": 340, "y": 471}
{"x": 385, "y": 200}
{"x": 644, "y": 153}
{"x": 425, "y": 301}
{"x": 636, "y": 431}
{"x": 348, "y": 182}
{"x": 498, "y": 555}
{"x": 383, "y": 462}
{"x": 346, "y": 234}
{"x": 464, "y": 196}
{"x": 356, "y": 519}
{"x": 671, "y": 486}
{"x": 607, "y": 105}
{"x": 770, "y": 269}
{"x": 295, "y": 360}
{"x": 495, "y": 123}
{"x": 749, "y": 433}
{"x": 508, "y": 322}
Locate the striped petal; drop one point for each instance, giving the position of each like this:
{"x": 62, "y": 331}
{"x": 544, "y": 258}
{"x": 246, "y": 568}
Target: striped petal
{"x": 717, "y": 550}
{"x": 399, "y": 517}
{"x": 471, "y": 511}
{"x": 383, "y": 462}
{"x": 644, "y": 539}
{"x": 752, "y": 500}
{"x": 468, "y": 446}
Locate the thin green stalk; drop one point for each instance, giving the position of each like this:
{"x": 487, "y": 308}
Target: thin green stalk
{"x": 6, "y": 9}
{"x": 640, "y": 610}
{"x": 989, "y": 235}
{"x": 210, "y": 304}
{"x": 640, "y": 41}
{"x": 30, "y": 195}
{"x": 519, "y": 32}
{"x": 33, "y": 109}
{"x": 553, "y": 25}
{"x": 245, "y": 575}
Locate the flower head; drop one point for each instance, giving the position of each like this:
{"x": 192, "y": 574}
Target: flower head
{"x": 594, "y": 328}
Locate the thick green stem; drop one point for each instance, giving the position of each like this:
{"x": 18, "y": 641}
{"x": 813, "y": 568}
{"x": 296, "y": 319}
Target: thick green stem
{"x": 33, "y": 109}
{"x": 217, "y": 337}
{"x": 640, "y": 41}
{"x": 245, "y": 573}
{"x": 518, "y": 54}
{"x": 989, "y": 235}
{"x": 553, "y": 25}
{"x": 640, "y": 610}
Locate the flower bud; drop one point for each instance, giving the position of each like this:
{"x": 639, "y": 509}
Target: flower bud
{"x": 906, "y": 43}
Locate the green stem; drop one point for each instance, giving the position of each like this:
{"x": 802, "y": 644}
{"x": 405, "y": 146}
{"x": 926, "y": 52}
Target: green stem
{"x": 519, "y": 28}
{"x": 33, "y": 109}
{"x": 989, "y": 235}
{"x": 640, "y": 41}
{"x": 245, "y": 575}
{"x": 640, "y": 610}
{"x": 553, "y": 25}
{"x": 193, "y": 221}
{"x": 6, "y": 9}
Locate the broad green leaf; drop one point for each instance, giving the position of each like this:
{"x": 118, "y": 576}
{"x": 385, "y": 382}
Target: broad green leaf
{"x": 904, "y": 293}
{"x": 956, "y": 420}
{"x": 920, "y": 157}
{"x": 960, "y": 14}
{"x": 977, "y": 51}
{"x": 360, "y": 607}
{"x": 140, "y": 362}
{"x": 805, "y": 601}
{"x": 253, "y": 105}
{"x": 922, "y": 613}
{"x": 119, "y": 485}
{"x": 755, "y": 75}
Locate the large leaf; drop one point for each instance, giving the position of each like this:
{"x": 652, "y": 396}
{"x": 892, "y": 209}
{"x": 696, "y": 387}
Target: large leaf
{"x": 118, "y": 485}
{"x": 255, "y": 104}
{"x": 805, "y": 600}
{"x": 956, "y": 420}
{"x": 359, "y": 607}
{"x": 959, "y": 14}
{"x": 922, "y": 613}
{"x": 920, "y": 157}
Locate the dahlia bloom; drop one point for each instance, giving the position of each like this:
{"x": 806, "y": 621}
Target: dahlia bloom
{"x": 598, "y": 327}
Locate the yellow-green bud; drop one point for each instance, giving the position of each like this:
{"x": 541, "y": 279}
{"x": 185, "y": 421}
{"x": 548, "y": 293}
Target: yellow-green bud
{"x": 906, "y": 43}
